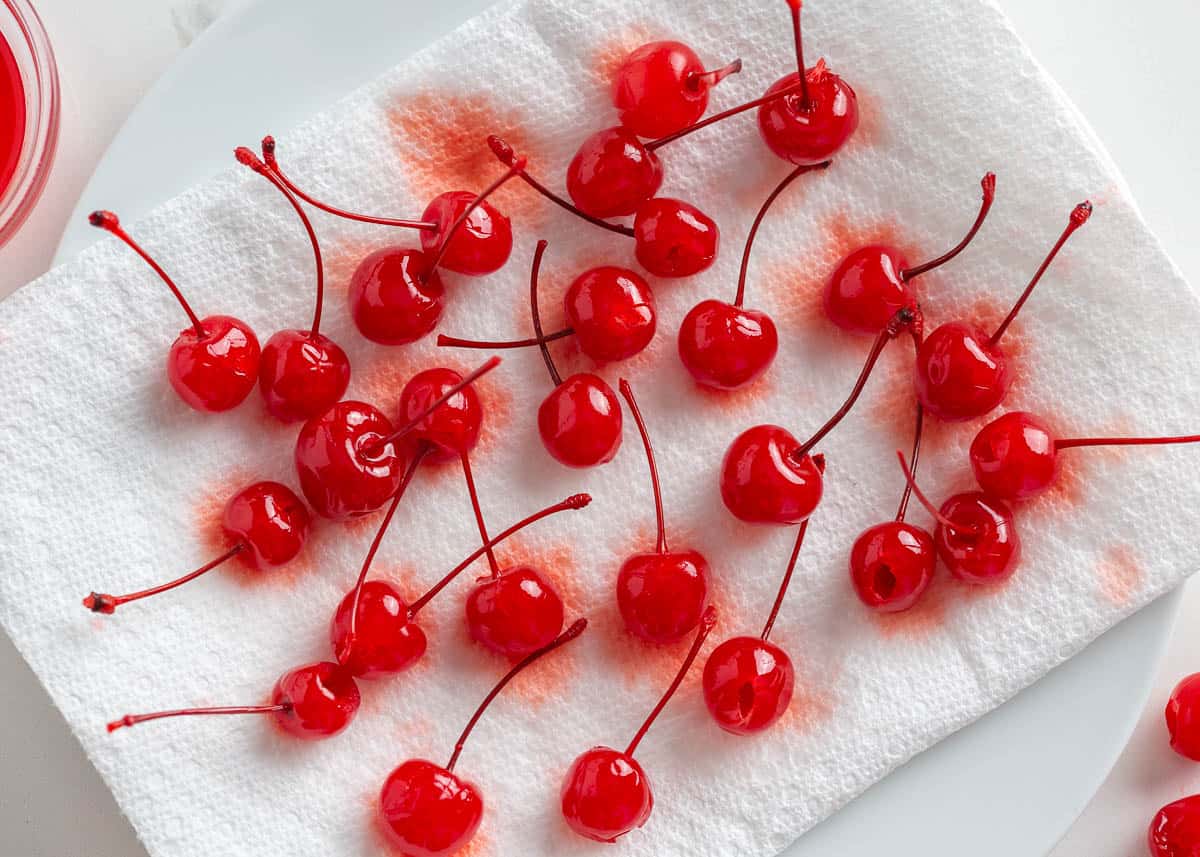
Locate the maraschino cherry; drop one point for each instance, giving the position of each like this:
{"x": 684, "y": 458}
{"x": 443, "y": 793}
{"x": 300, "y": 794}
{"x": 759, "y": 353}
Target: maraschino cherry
{"x": 962, "y": 372}
{"x": 726, "y": 346}
{"x": 428, "y": 810}
{"x": 1183, "y": 717}
{"x": 606, "y": 793}
{"x": 265, "y": 525}
{"x": 768, "y": 477}
{"x": 213, "y": 364}
{"x": 1175, "y": 829}
{"x": 749, "y": 681}
{"x": 1015, "y": 457}
{"x": 873, "y": 282}
{"x": 302, "y": 372}
{"x": 662, "y": 594}
{"x": 662, "y": 87}
{"x": 672, "y": 238}
{"x": 817, "y": 116}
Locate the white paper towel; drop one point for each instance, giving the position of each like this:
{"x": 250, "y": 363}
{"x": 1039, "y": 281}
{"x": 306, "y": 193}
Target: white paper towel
{"x": 112, "y": 483}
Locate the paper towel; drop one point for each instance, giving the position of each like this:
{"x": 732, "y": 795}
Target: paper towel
{"x": 111, "y": 483}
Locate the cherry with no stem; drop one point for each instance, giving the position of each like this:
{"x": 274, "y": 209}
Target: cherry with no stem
{"x": 662, "y": 87}
{"x": 213, "y": 363}
{"x": 606, "y": 793}
{"x": 428, "y": 809}
{"x": 1175, "y": 829}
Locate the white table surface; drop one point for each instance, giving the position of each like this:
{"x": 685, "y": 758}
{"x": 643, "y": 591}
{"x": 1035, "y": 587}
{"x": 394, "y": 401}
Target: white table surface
{"x": 1138, "y": 90}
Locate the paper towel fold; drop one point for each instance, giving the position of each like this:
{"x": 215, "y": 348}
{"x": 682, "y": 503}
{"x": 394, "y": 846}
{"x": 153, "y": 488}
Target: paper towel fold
{"x": 110, "y": 482}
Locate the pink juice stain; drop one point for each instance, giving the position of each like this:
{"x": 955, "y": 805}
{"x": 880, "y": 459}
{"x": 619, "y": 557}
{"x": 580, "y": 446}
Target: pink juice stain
{"x": 12, "y": 114}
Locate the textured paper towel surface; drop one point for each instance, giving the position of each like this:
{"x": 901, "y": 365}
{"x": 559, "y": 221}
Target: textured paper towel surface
{"x": 111, "y": 483}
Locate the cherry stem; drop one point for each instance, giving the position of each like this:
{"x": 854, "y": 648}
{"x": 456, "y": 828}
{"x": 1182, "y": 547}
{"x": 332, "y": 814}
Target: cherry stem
{"x": 708, "y": 621}
{"x": 819, "y": 461}
{"x": 901, "y": 320}
{"x": 483, "y": 533}
{"x": 627, "y": 392}
{"x": 1070, "y": 443}
{"x": 712, "y": 78}
{"x": 537, "y": 316}
{"x": 516, "y": 169}
{"x": 134, "y": 719}
{"x": 1078, "y": 217}
{"x": 268, "y": 151}
{"x": 575, "y": 501}
{"x": 110, "y": 223}
{"x": 805, "y": 100}
{"x": 989, "y": 196}
{"x": 107, "y": 604}
{"x": 915, "y": 456}
{"x": 932, "y": 509}
{"x": 654, "y": 145}
{"x": 561, "y": 640}
{"x": 507, "y": 156}
{"x": 251, "y": 160}
{"x": 470, "y": 379}
{"x": 454, "y": 342}
{"x": 762, "y": 212}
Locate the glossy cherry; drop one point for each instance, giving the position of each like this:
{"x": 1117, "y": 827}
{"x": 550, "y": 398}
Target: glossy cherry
{"x": 726, "y": 346}
{"x": 1175, "y": 829}
{"x": 311, "y": 702}
{"x": 605, "y": 793}
{"x": 749, "y": 681}
{"x": 962, "y": 372}
{"x": 302, "y": 372}
{"x": 662, "y": 87}
{"x": 1183, "y": 717}
{"x": 872, "y": 283}
{"x": 427, "y": 810}
{"x": 213, "y": 363}
{"x": 266, "y": 526}
{"x": 817, "y": 116}
{"x": 661, "y": 595}
{"x": 1015, "y": 457}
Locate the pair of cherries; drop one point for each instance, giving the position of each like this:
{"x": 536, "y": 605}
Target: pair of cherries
{"x": 1175, "y": 829}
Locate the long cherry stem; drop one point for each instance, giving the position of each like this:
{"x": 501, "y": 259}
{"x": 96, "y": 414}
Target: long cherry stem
{"x": 800, "y": 86}
{"x": 507, "y": 156}
{"x": 762, "y": 212}
{"x": 110, "y": 223}
{"x": 819, "y": 461}
{"x": 712, "y": 78}
{"x": 575, "y": 501}
{"x": 251, "y": 160}
{"x": 708, "y": 621}
{"x": 915, "y": 457}
{"x": 1078, "y": 217}
{"x": 989, "y": 196}
{"x": 1070, "y": 443}
{"x": 798, "y": 38}
{"x": 516, "y": 169}
{"x": 107, "y": 604}
{"x": 268, "y": 151}
{"x": 932, "y": 509}
{"x": 537, "y": 316}
{"x": 561, "y": 640}
{"x": 134, "y": 719}
{"x": 477, "y": 509}
{"x": 444, "y": 341}
{"x": 627, "y": 392}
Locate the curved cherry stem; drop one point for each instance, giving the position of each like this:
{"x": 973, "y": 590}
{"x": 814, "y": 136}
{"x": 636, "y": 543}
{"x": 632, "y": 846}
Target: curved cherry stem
{"x": 797, "y": 35}
{"x": 575, "y": 501}
{"x": 1078, "y": 217}
{"x": 444, "y": 341}
{"x": 107, "y": 604}
{"x": 708, "y": 621}
{"x": 989, "y": 196}
{"x": 800, "y": 86}
{"x": 627, "y": 392}
{"x": 1074, "y": 442}
{"x": 110, "y": 223}
{"x": 516, "y": 169}
{"x": 562, "y": 639}
{"x": 134, "y": 719}
{"x": 758, "y": 219}
{"x": 915, "y": 456}
{"x": 929, "y": 507}
{"x": 268, "y": 151}
{"x": 507, "y": 156}
{"x": 537, "y": 316}
{"x": 477, "y": 509}
{"x": 712, "y": 78}
{"x": 819, "y": 461}
{"x": 251, "y": 160}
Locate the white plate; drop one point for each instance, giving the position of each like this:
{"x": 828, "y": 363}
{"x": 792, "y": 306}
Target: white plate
{"x": 1009, "y": 785}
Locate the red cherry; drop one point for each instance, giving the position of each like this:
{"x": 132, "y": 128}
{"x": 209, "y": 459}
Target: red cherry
{"x": 662, "y": 88}
{"x": 725, "y": 346}
{"x": 871, "y": 284}
{"x": 1175, "y": 830}
{"x": 451, "y": 429}
{"x": 662, "y": 594}
{"x": 515, "y": 612}
{"x": 1183, "y": 717}
{"x": 812, "y": 124}
{"x": 213, "y": 364}
{"x": 612, "y": 313}
{"x": 977, "y": 538}
{"x": 428, "y": 810}
{"x": 961, "y": 372}
{"x": 266, "y": 525}
{"x": 395, "y": 297}
{"x": 605, "y": 793}
{"x": 311, "y": 702}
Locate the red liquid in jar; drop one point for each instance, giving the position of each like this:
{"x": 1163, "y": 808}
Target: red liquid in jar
{"x": 12, "y": 114}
